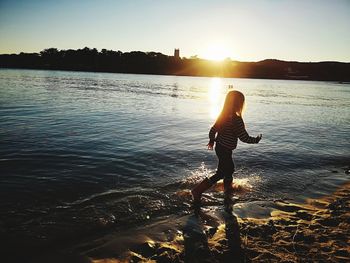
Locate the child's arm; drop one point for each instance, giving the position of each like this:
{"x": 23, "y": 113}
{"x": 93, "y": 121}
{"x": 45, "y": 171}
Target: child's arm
{"x": 212, "y": 134}
{"x": 243, "y": 135}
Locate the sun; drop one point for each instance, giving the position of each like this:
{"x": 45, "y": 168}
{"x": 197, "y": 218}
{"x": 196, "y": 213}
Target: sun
{"x": 217, "y": 52}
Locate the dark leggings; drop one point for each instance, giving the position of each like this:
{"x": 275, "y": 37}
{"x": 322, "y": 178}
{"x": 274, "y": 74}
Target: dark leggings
{"x": 226, "y": 167}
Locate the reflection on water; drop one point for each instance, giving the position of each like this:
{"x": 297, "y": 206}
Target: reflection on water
{"x": 216, "y": 92}
{"x": 81, "y": 152}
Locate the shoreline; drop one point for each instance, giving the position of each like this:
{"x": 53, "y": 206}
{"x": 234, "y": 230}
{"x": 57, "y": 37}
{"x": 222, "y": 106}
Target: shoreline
{"x": 315, "y": 231}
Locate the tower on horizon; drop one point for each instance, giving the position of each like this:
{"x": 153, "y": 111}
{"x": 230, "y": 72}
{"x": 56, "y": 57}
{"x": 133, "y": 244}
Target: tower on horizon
{"x": 177, "y": 53}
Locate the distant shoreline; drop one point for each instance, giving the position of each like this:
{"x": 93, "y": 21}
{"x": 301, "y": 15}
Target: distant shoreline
{"x": 153, "y": 63}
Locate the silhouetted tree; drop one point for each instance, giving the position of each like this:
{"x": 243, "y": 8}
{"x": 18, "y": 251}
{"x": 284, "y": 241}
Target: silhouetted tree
{"x": 90, "y": 59}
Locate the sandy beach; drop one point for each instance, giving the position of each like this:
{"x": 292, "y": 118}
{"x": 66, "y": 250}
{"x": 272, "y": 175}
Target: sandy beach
{"x": 315, "y": 231}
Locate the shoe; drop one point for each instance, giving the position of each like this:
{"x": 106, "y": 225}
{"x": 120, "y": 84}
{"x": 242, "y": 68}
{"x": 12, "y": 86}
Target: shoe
{"x": 199, "y": 189}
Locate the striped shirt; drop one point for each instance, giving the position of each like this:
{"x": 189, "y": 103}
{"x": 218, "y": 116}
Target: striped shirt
{"x": 230, "y": 132}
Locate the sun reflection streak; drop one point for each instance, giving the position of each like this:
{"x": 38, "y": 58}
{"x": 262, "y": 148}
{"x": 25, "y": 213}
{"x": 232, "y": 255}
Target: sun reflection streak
{"x": 214, "y": 97}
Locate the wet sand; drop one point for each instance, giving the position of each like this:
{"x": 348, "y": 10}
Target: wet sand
{"x": 315, "y": 231}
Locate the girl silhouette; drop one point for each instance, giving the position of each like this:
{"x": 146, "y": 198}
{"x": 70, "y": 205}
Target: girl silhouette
{"x": 228, "y": 127}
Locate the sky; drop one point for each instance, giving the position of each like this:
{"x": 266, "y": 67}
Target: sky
{"x": 247, "y": 30}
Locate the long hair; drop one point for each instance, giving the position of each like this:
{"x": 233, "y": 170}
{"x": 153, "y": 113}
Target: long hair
{"x": 234, "y": 104}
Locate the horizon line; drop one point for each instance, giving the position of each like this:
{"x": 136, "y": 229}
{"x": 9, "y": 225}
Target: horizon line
{"x": 184, "y": 57}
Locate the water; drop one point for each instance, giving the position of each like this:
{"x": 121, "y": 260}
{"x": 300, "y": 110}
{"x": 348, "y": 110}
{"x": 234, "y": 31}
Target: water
{"x": 82, "y": 153}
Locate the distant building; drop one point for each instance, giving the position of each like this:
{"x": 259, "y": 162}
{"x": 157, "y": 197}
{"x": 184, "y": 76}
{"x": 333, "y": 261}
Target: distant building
{"x": 177, "y": 53}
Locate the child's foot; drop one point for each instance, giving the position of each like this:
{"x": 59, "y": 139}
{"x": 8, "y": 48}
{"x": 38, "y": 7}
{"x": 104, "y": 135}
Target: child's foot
{"x": 199, "y": 189}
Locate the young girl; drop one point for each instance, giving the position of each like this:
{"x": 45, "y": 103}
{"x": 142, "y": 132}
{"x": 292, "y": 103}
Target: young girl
{"x": 229, "y": 126}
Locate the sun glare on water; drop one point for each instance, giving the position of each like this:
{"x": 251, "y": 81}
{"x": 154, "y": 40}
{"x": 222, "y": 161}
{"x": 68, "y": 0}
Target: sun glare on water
{"x": 215, "y": 97}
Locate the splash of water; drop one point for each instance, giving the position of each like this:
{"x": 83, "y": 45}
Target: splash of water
{"x": 243, "y": 181}
{"x": 196, "y": 176}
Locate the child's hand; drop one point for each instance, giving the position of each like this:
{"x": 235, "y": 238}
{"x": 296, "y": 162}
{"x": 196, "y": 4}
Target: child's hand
{"x": 210, "y": 146}
{"x": 259, "y": 137}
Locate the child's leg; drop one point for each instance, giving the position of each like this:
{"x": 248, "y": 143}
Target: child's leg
{"x": 228, "y": 176}
{"x": 225, "y": 165}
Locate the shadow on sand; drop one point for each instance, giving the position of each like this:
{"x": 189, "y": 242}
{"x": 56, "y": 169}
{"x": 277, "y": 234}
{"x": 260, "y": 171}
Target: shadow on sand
{"x": 200, "y": 243}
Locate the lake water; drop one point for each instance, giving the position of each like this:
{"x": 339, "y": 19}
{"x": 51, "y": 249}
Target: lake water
{"x": 81, "y": 153}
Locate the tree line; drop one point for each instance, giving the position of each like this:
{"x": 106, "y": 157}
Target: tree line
{"x": 90, "y": 59}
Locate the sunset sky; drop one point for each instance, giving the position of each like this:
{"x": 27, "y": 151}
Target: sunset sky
{"x": 242, "y": 30}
